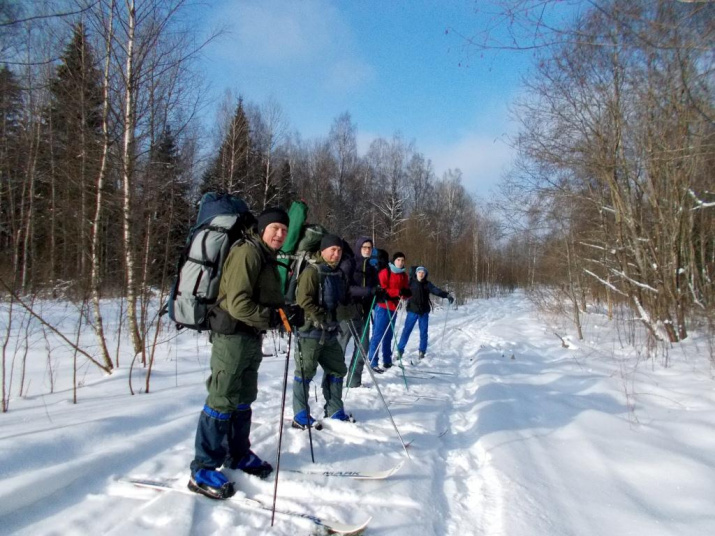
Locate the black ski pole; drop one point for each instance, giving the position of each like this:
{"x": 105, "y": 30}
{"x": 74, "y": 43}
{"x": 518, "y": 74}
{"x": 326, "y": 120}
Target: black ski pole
{"x": 394, "y": 335}
{"x": 362, "y": 338}
{"x": 306, "y": 394}
{"x": 286, "y": 325}
{"x": 372, "y": 375}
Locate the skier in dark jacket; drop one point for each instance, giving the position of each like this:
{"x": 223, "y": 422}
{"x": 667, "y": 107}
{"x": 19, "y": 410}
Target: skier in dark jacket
{"x": 418, "y": 309}
{"x": 250, "y": 294}
{"x": 363, "y": 287}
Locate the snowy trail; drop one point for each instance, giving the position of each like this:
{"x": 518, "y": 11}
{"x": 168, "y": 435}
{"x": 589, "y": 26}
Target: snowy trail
{"x": 509, "y": 434}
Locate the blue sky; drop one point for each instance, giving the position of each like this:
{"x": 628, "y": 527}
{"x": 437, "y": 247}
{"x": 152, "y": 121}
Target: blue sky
{"x": 394, "y": 65}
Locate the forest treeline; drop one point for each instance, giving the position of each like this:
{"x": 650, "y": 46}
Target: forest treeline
{"x": 103, "y": 159}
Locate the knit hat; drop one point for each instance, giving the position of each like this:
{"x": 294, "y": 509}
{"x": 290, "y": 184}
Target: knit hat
{"x": 330, "y": 240}
{"x": 421, "y": 269}
{"x": 272, "y": 215}
{"x": 397, "y": 255}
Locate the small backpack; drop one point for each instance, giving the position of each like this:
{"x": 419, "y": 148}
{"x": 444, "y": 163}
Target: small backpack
{"x": 222, "y": 220}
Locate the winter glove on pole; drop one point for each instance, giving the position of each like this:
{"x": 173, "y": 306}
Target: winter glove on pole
{"x": 295, "y": 315}
{"x": 379, "y": 294}
{"x": 405, "y": 293}
{"x": 274, "y": 318}
{"x": 450, "y": 299}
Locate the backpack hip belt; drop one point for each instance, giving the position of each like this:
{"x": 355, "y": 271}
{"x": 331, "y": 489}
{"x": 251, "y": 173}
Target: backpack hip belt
{"x": 223, "y": 323}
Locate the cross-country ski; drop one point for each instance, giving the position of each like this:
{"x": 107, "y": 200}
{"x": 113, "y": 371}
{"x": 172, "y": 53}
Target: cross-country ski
{"x": 356, "y": 474}
{"x": 333, "y": 527}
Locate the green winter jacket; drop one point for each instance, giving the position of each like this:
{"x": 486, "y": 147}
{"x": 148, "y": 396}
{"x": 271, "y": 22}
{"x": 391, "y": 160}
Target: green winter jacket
{"x": 307, "y": 295}
{"x": 250, "y": 283}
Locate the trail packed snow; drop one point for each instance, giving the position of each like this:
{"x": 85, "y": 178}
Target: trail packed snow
{"x": 509, "y": 433}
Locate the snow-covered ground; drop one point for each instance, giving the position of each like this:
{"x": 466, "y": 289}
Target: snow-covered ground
{"x": 509, "y": 434}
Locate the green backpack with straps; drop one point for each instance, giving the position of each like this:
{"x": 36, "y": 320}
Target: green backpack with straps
{"x": 308, "y": 245}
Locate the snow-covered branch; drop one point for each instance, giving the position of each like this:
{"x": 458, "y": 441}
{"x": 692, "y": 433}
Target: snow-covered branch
{"x": 700, "y": 204}
{"x": 606, "y": 283}
{"x": 644, "y": 286}
{"x": 594, "y": 246}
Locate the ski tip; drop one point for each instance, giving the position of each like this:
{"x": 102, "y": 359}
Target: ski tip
{"x": 348, "y": 530}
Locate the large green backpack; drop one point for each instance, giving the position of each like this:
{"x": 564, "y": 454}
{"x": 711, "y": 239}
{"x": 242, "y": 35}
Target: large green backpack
{"x": 298, "y": 212}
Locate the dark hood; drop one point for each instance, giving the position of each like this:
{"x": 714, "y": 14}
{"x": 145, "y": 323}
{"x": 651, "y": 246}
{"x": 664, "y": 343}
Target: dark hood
{"x": 358, "y": 244}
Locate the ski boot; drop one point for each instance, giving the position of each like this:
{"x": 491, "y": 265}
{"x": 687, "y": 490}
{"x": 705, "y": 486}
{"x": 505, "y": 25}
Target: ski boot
{"x": 340, "y": 415}
{"x": 252, "y": 465}
{"x": 421, "y": 355}
{"x": 302, "y": 421}
{"x": 212, "y": 484}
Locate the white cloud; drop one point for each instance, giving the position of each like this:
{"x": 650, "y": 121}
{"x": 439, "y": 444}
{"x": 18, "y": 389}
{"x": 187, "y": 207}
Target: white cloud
{"x": 348, "y": 73}
{"x": 482, "y": 160}
{"x": 289, "y": 48}
{"x": 283, "y": 32}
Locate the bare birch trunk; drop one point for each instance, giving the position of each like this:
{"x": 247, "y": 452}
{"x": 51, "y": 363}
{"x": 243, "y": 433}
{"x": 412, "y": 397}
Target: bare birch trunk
{"x": 27, "y": 242}
{"x": 572, "y": 290}
{"x": 162, "y": 286}
{"x": 129, "y": 115}
{"x": 144, "y": 307}
{"x": 97, "y": 222}
{"x": 53, "y": 207}
{"x": 6, "y": 341}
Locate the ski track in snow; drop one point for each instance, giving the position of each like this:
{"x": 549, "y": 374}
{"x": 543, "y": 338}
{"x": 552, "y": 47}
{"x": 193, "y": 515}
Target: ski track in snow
{"x": 509, "y": 435}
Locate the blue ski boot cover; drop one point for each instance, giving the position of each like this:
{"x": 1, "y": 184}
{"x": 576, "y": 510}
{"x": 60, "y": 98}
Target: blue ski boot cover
{"x": 211, "y": 483}
{"x": 302, "y": 421}
{"x": 340, "y": 415}
{"x": 253, "y": 465}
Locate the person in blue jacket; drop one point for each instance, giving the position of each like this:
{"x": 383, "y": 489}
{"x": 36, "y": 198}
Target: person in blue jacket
{"x": 418, "y": 309}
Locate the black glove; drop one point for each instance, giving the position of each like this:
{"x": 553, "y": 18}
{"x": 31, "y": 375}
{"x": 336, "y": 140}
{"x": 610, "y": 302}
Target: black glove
{"x": 295, "y": 315}
{"x": 450, "y": 299}
{"x": 274, "y": 319}
{"x": 405, "y": 293}
{"x": 379, "y": 293}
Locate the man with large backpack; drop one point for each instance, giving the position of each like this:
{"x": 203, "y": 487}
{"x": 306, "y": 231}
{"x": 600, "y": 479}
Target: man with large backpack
{"x": 320, "y": 292}
{"x": 249, "y": 297}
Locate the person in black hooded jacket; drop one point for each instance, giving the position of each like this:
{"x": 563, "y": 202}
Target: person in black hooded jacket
{"x": 418, "y": 309}
{"x": 363, "y": 286}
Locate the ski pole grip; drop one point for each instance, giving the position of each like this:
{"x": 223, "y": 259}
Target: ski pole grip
{"x": 284, "y": 318}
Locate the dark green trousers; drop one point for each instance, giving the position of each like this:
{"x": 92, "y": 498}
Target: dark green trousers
{"x": 330, "y": 357}
{"x": 225, "y": 422}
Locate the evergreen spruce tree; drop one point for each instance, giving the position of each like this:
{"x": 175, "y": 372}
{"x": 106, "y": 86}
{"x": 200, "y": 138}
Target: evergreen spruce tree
{"x": 11, "y": 144}
{"x": 230, "y": 170}
{"x": 286, "y": 193}
{"x": 171, "y": 209}
{"x": 72, "y": 143}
